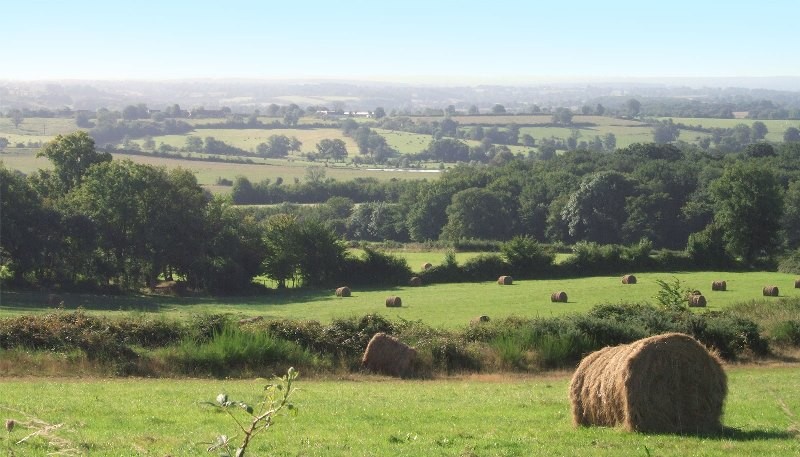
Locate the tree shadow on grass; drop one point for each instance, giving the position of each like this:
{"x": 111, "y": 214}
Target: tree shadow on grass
{"x": 737, "y": 434}
{"x": 35, "y": 301}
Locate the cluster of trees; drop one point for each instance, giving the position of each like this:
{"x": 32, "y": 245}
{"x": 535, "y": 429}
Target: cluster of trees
{"x": 661, "y": 193}
{"x": 370, "y": 143}
{"x": 95, "y": 222}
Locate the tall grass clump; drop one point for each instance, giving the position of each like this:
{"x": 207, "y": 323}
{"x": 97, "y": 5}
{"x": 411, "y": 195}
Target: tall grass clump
{"x": 779, "y": 322}
{"x": 233, "y": 351}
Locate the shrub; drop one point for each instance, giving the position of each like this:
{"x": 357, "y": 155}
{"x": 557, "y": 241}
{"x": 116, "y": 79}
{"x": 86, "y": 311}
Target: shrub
{"x": 787, "y": 333}
{"x": 527, "y": 258}
{"x": 731, "y": 335}
{"x": 592, "y": 258}
{"x": 377, "y": 268}
{"x": 484, "y": 267}
{"x": 447, "y": 271}
{"x": 671, "y": 295}
{"x": 707, "y": 248}
{"x": 638, "y": 256}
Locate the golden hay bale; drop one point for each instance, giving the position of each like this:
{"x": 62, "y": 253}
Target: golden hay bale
{"x": 393, "y": 302}
{"x": 770, "y": 291}
{"x": 697, "y": 301}
{"x": 721, "y": 286}
{"x": 415, "y": 281}
{"x": 667, "y": 383}
{"x": 558, "y": 297}
{"x": 505, "y": 280}
{"x": 386, "y": 354}
{"x": 629, "y": 279}
{"x": 343, "y": 291}
{"x": 427, "y": 266}
{"x": 479, "y": 320}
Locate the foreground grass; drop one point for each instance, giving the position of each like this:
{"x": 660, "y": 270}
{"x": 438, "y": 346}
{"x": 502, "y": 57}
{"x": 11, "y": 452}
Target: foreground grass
{"x": 488, "y": 416}
{"x": 438, "y": 305}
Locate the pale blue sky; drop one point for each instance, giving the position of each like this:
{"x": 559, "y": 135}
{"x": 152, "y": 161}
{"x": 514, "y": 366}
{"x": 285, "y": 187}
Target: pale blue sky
{"x": 441, "y": 41}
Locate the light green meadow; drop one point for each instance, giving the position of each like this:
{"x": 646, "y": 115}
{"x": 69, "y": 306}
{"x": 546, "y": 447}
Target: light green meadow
{"x": 438, "y": 305}
{"x": 372, "y": 416}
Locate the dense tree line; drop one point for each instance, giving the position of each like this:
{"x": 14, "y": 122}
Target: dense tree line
{"x": 100, "y": 223}
{"x": 662, "y": 193}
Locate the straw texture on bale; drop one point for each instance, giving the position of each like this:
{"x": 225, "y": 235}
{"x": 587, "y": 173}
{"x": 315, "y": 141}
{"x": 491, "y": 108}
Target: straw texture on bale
{"x": 505, "y": 280}
{"x": 721, "y": 286}
{"x": 393, "y": 302}
{"x": 697, "y": 301}
{"x": 558, "y": 297}
{"x": 427, "y": 266}
{"x": 343, "y": 292}
{"x": 386, "y": 354}
{"x": 797, "y": 283}
{"x": 668, "y": 383}
{"x": 415, "y": 281}
{"x": 770, "y": 291}
{"x": 479, "y": 320}
{"x": 629, "y": 279}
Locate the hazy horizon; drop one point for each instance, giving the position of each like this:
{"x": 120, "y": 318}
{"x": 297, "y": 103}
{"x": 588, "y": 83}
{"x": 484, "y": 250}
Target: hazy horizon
{"x": 445, "y": 42}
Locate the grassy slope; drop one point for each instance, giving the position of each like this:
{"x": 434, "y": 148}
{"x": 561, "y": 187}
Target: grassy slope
{"x": 489, "y": 416}
{"x": 442, "y": 305}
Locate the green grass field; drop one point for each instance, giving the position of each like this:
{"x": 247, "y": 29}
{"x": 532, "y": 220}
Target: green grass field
{"x": 208, "y": 172}
{"x": 438, "y": 305}
{"x": 249, "y": 139}
{"x": 369, "y": 416}
{"x": 775, "y": 127}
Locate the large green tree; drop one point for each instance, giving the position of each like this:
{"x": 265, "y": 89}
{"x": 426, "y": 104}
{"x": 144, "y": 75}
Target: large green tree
{"x": 72, "y": 155}
{"x": 596, "y": 211}
{"x": 232, "y": 252}
{"x": 791, "y": 217}
{"x": 748, "y": 208}
{"x": 477, "y": 213}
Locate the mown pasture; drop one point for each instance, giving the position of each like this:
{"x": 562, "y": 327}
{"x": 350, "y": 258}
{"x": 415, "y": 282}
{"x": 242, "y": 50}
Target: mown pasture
{"x": 493, "y": 415}
{"x": 437, "y": 305}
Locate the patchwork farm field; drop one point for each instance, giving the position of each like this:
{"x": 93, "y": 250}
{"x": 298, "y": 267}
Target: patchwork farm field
{"x": 208, "y": 172}
{"x": 493, "y": 415}
{"x": 438, "y": 305}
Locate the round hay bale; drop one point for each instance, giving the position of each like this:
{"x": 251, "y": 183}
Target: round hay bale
{"x": 720, "y": 286}
{"x": 629, "y": 279}
{"x": 343, "y": 292}
{"x": 668, "y": 383}
{"x": 388, "y": 355}
{"x": 505, "y": 280}
{"x": 558, "y": 297}
{"x": 479, "y": 320}
{"x": 393, "y": 302}
{"x": 427, "y": 266}
{"x": 415, "y": 281}
{"x": 770, "y": 291}
{"x": 697, "y": 301}
{"x": 797, "y": 283}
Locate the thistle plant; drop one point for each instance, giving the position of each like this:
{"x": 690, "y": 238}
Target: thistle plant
{"x": 252, "y": 421}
